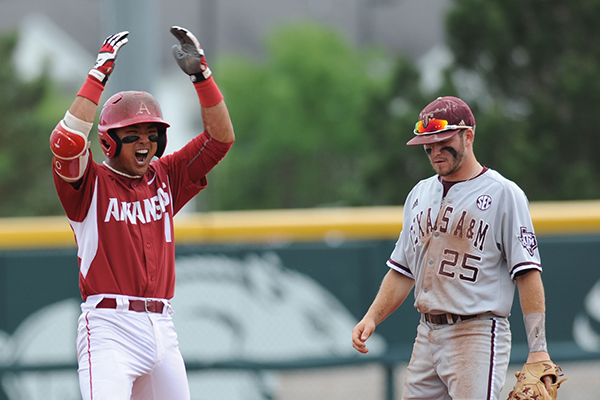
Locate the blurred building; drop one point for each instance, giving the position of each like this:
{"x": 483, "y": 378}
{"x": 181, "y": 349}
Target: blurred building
{"x": 65, "y": 35}
{"x": 412, "y": 27}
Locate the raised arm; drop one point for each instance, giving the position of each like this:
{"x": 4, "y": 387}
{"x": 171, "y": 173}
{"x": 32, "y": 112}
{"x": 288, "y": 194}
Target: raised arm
{"x": 69, "y": 140}
{"x": 190, "y": 57}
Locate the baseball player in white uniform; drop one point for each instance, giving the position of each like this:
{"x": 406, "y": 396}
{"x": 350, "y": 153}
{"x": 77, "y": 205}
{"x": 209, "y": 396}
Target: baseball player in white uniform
{"x": 467, "y": 239}
{"x": 121, "y": 212}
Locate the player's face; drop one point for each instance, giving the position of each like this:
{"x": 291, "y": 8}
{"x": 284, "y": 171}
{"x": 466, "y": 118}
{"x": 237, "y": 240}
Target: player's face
{"x": 446, "y": 157}
{"x": 138, "y": 148}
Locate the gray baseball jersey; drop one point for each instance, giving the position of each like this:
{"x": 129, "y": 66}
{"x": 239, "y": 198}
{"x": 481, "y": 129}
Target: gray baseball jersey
{"x": 464, "y": 250}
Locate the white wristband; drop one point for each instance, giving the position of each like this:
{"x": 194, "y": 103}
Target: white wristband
{"x": 535, "y": 329}
{"x": 77, "y": 124}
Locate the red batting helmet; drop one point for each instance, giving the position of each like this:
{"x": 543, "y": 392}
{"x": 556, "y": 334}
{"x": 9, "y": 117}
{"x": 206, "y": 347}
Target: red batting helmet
{"x": 129, "y": 108}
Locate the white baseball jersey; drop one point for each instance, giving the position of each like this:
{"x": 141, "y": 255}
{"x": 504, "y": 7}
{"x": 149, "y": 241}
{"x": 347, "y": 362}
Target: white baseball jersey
{"x": 463, "y": 250}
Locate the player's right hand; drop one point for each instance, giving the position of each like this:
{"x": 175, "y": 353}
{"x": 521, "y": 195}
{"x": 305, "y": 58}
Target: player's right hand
{"x": 108, "y": 54}
{"x": 361, "y": 332}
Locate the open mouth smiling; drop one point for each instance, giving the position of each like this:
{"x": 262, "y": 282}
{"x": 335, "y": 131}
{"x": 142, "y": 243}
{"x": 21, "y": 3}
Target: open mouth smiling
{"x": 141, "y": 155}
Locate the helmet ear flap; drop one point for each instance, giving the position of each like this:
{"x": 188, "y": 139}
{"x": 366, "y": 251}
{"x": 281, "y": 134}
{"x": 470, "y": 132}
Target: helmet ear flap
{"x": 161, "y": 143}
{"x": 116, "y": 142}
{"x": 110, "y": 143}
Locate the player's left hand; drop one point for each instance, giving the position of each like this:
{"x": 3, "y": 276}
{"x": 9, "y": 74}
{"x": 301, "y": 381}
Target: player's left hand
{"x": 189, "y": 55}
{"x": 531, "y": 382}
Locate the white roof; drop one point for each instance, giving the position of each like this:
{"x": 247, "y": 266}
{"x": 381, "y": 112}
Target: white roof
{"x": 43, "y": 46}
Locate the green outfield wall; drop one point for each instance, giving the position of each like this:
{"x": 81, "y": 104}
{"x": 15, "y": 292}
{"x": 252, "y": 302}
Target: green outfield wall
{"x": 318, "y": 268}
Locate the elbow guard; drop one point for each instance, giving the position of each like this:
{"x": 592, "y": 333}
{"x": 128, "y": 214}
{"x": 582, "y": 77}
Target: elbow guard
{"x": 70, "y": 149}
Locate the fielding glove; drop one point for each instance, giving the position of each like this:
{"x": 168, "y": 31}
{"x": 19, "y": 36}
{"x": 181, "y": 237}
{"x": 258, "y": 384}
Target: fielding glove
{"x": 530, "y": 386}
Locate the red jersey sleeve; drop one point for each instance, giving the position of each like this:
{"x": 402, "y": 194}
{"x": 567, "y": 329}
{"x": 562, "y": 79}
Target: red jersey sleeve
{"x": 188, "y": 167}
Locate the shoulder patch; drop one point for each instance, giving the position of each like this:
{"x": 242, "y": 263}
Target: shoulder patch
{"x": 528, "y": 240}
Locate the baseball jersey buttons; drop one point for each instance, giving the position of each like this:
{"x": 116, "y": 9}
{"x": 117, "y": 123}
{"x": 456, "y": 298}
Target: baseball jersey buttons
{"x": 148, "y": 245}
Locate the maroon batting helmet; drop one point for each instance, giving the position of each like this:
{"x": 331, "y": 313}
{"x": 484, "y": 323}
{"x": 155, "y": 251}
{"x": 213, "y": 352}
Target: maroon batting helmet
{"x": 129, "y": 108}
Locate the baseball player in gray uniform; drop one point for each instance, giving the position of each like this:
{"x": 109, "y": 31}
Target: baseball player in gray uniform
{"x": 467, "y": 240}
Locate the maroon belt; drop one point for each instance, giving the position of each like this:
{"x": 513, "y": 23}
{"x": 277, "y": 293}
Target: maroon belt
{"x": 153, "y": 306}
{"x": 441, "y": 319}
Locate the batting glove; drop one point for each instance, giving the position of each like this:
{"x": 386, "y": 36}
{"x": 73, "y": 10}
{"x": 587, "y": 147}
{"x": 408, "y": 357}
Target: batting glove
{"x": 108, "y": 55}
{"x": 189, "y": 55}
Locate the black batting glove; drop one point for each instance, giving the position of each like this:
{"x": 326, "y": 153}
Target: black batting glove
{"x": 189, "y": 55}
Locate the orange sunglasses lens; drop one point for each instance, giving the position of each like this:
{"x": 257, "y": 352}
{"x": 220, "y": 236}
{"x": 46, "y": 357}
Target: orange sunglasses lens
{"x": 434, "y": 125}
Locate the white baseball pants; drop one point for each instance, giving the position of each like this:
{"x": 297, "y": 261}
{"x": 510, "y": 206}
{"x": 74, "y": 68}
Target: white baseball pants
{"x": 125, "y": 355}
{"x": 464, "y": 360}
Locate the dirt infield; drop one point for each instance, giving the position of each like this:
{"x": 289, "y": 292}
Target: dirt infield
{"x": 368, "y": 382}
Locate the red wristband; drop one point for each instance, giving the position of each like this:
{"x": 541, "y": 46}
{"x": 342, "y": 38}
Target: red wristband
{"x": 91, "y": 89}
{"x": 208, "y": 92}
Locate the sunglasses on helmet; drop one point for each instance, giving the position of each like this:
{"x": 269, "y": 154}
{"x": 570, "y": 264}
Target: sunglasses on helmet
{"x": 133, "y": 139}
{"x": 435, "y": 126}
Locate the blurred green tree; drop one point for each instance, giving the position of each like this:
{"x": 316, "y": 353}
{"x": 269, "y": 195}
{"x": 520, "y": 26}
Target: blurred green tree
{"x": 320, "y": 123}
{"x": 300, "y": 115}
{"x": 29, "y": 113}
{"x": 391, "y": 168}
{"x": 539, "y": 62}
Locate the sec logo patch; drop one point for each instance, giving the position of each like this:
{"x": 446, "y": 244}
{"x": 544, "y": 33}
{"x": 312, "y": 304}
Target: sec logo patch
{"x": 484, "y": 202}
